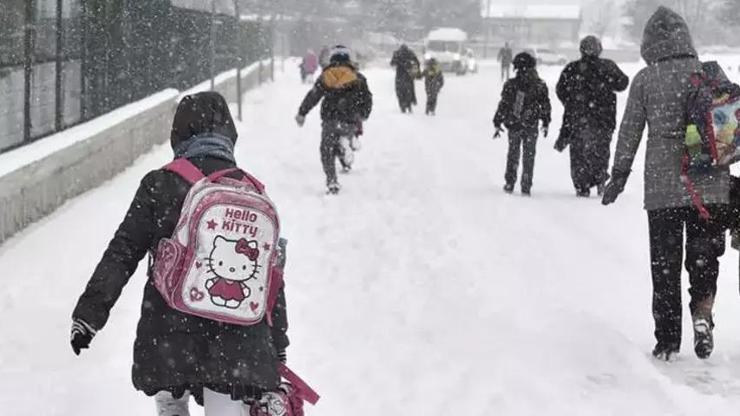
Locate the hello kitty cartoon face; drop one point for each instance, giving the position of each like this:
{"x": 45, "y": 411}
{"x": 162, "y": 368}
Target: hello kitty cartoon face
{"x": 234, "y": 260}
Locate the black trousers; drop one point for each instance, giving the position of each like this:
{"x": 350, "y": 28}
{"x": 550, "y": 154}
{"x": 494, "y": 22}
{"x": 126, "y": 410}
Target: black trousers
{"x": 521, "y": 140}
{"x": 705, "y": 243}
{"x": 432, "y": 101}
{"x": 331, "y": 146}
{"x": 589, "y": 156}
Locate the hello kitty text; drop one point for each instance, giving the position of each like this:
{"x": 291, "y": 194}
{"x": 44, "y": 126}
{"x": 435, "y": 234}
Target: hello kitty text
{"x": 238, "y": 221}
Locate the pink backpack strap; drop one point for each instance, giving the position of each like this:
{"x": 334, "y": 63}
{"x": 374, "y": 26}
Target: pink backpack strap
{"x": 303, "y": 390}
{"x": 186, "y": 169}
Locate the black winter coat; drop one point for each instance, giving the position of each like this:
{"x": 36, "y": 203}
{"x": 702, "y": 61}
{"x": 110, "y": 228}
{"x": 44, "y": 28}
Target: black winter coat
{"x": 346, "y": 95}
{"x": 407, "y": 70}
{"x": 524, "y": 102}
{"x": 174, "y": 351}
{"x": 587, "y": 88}
{"x": 434, "y": 80}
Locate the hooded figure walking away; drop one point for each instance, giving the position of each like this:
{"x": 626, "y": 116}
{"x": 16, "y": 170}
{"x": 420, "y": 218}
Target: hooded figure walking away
{"x": 658, "y": 97}
{"x": 407, "y": 70}
{"x": 347, "y": 104}
{"x": 524, "y": 103}
{"x": 504, "y": 57}
{"x": 434, "y": 80}
{"x": 587, "y": 88}
{"x": 178, "y": 354}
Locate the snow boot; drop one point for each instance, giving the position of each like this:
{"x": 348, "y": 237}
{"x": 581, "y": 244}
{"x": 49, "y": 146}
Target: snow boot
{"x": 333, "y": 188}
{"x": 526, "y": 192}
{"x": 346, "y": 156}
{"x": 509, "y": 188}
{"x": 600, "y": 189}
{"x": 703, "y": 325}
{"x": 666, "y": 351}
{"x": 583, "y": 193}
{"x": 354, "y": 143}
{"x": 703, "y": 339}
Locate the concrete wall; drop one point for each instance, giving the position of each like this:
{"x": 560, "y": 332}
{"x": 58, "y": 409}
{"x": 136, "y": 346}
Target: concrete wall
{"x": 36, "y": 179}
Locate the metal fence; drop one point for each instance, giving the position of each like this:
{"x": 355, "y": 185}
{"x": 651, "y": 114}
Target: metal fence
{"x": 63, "y": 62}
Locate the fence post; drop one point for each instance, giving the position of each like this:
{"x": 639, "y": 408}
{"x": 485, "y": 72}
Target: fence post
{"x": 28, "y": 49}
{"x": 59, "y": 97}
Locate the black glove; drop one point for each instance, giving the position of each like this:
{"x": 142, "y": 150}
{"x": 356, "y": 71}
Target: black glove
{"x": 498, "y": 132}
{"x": 82, "y": 335}
{"x": 282, "y": 356}
{"x": 545, "y": 131}
{"x": 560, "y": 144}
{"x": 615, "y": 187}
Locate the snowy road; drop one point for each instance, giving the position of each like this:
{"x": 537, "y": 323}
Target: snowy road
{"x": 421, "y": 290}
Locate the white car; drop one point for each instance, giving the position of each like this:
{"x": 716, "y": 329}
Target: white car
{"x": 447, "y": 46}
{"x": 549, "y": 57}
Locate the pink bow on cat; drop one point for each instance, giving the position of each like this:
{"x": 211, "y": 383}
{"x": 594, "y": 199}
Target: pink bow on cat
{"x": 243, "y": 247}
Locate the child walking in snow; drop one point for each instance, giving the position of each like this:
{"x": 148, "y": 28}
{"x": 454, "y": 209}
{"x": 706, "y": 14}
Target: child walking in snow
{"x": 347, "y": 102}
{"x": 524, "y": 103}
{"x": 229, "y": 368}
{"x": 433, "y": 82}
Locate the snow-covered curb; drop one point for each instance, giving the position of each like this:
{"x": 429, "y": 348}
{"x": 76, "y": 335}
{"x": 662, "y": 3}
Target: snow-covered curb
{"x": 38, "y": 178}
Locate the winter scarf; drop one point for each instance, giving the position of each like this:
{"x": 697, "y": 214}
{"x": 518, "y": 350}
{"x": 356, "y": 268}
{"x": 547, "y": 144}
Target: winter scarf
{"x": 206, "y": 145}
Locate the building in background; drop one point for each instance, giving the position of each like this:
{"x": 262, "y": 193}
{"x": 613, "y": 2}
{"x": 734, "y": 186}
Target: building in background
{"x": 552, "y": 25}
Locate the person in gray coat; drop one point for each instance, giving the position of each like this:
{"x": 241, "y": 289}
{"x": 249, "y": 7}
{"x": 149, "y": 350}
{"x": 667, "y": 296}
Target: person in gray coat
{"x": 658, "y": 98}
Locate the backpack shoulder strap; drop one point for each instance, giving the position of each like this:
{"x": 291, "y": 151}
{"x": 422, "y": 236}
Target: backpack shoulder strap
{"x": 186, "y": 169}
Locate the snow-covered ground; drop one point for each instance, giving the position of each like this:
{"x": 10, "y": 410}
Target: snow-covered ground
{"x": 421, "y": 290}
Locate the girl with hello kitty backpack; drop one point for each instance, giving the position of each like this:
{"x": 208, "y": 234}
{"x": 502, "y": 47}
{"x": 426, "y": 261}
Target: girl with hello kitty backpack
{"x": 213, "y": 318}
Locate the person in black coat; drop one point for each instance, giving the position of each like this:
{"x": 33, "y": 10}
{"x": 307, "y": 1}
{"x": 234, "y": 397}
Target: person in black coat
{"x": 176, "y": 353}
{"x": 407, "y": 70}
{"x": 347, "y": 103}
{"x": 434, "y": 80}
{"x": 524, "y": 103}
{"x": 587, "y": 88}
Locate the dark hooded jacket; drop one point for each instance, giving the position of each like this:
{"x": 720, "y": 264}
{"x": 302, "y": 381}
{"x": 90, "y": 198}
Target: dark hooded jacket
{"x": 407, "y": 70}
{"x": 346, "y": 95}
{"x": 587, "y": 88}
{"x": 658, "y": 98}
{"x": 174, "y": 351}
{"x": 524, "y": 102}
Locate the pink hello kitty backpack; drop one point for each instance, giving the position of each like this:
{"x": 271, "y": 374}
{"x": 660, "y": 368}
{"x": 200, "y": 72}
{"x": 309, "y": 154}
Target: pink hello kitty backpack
{"x": 220, "y": 262}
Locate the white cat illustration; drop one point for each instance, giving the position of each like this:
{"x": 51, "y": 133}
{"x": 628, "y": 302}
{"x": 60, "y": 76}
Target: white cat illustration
{"x": 233, "y": 262}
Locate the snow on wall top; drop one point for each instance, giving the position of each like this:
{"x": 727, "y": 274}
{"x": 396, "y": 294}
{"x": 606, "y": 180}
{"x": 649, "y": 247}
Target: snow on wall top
{"x": 33, "y": 152}
{"x": 448, "y": 34}
{"x": 532, "y": 11}
{"x": 222, "y": 6}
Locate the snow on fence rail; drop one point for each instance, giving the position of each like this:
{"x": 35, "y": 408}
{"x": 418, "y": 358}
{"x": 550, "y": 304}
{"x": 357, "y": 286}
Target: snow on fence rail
{"x": 38, "y": 178}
